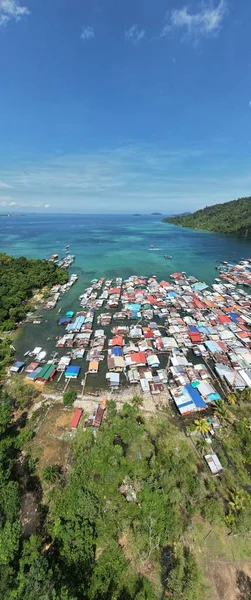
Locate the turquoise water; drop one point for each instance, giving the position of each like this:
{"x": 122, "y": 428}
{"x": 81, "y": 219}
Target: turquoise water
{"x": 110, "y": 246}
{"x": 118, "y": 245}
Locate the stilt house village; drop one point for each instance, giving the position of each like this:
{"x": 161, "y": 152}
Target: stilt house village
{"x": 179, "y": 338}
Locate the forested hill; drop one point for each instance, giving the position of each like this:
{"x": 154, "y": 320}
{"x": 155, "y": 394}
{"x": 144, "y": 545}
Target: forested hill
{"x": 19, "y": 277}
{"x": 230, "y": 217}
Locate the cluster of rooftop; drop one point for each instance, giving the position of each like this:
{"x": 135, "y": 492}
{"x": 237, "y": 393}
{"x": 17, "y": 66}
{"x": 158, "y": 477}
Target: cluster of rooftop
{"x": 179, "y": 337}
{"x": 58, "y": 290}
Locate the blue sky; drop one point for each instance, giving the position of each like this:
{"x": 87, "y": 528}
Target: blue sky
{"x": 123, "y": 105}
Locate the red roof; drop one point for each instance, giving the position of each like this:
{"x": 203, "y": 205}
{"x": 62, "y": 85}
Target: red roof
{"x": 147, "y": 332}
{"x": 76, "y": 418}
{"x": 138, "y": 357}
{"x": 194, "y": 336}
{"x": 117, "y": 340}
{"x": 150, "y": 300}
{"x": 198, "y": 303}
{"x": 222, "y": 346}
{"x": 177, "y": 275}
{"x": 224, "y": 319}
{"x": 165, "y": 284}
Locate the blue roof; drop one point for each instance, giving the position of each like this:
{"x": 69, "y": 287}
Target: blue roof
{"x": 234, "y": 316}
{"x": 117, "y": 351}
{"x": 203, "y": 329}
{"x": 199, "y": 287}
{"x": 193, "y": 328}
{"x": 134, "y": 307}
{"x": 19, "y": 364}
{"x": 196, "y": 397}
{"x": 71, "y": 370}
{"x": 171, "y": 295}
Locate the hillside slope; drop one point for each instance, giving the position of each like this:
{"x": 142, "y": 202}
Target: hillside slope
{"x": 230, "y": 217}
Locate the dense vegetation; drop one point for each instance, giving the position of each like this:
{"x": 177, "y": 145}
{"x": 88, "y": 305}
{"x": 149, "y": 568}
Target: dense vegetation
{"x": 19, "y": 278}
{"x": 230, "y": 217}
{"x": 119, "y": 526}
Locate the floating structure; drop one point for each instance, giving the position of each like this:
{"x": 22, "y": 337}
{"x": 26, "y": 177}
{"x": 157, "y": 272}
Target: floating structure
{"x": 46, "y": 373}
{"x": 17, "y": 367}
{"x": 181, "y": 337}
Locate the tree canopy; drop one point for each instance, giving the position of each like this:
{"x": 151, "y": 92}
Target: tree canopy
{"x": 229, "y": 217}
{"x": 19, "y": 277}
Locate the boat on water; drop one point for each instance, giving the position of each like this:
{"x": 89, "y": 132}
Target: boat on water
{"x": 168, "y": 256}
{"x": 153, "y": 249}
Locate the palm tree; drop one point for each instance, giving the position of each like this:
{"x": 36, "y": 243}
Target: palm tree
{"x": 221, "y": 411}
{"x": 202, "y": 426}
{"x": 218, "y": 405}
{"x": 232, "y": 399}
{"x": 50, "y": 473}
{"x": 201, "y": 446}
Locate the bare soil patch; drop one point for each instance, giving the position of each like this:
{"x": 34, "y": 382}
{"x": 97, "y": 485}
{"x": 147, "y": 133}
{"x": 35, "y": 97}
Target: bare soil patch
{"x": 229, "y": 581}
{"x": 50, "y": 445}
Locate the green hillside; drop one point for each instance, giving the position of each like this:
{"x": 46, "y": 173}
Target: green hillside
{"x": 230, "y": 217}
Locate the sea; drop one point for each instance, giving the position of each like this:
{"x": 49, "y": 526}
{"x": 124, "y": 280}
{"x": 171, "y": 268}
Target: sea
{"x": 110, "y": 245}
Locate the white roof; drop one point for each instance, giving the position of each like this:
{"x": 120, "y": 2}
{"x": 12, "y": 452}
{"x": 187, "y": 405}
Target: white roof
{"x": 213, "y": 463}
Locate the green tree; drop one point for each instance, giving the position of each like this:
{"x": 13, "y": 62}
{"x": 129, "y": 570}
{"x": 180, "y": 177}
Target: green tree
{"x": 202, "y": 426}
{"x": 10, "y": 536}
{"x": 69, "y": 397}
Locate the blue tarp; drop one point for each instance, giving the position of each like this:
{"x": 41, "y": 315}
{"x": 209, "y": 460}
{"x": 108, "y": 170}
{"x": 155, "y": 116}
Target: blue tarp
{"x": 65, "y": 321}
{"x": 196, "y": 397}
{"x": 117, "y": 351}
{"x": 213, "y": 397}
{"x": 199, "y": 287}
{"x": 188, "y": 403}
{"x": 193, "y": 328}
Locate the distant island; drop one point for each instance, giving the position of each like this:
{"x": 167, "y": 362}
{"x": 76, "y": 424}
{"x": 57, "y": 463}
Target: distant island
{"x": 156, "y": 214}
{"x": 136, "y": 215}
{"x": 231, "y": 217}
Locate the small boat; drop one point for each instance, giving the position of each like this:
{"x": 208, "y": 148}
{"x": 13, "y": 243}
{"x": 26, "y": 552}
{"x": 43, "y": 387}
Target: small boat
{"x": 154, "y": 249}
{"x": 59, "y": 311}
{"x": 27, "y": 353}
{"x": 168, "y": 256}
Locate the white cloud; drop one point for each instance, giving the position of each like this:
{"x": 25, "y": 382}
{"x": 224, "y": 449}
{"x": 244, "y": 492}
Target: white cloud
{"x": 88, "y": 33}
{"x": 5, "y": 186}
{"x": 47, "y": 206}
{"x": 207, "y": 21}
{"x": 134, "y": 34}
{"x": 11, "y": 9}
{"x": 119, "y": 178}
{"x": 249, "y": 104}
